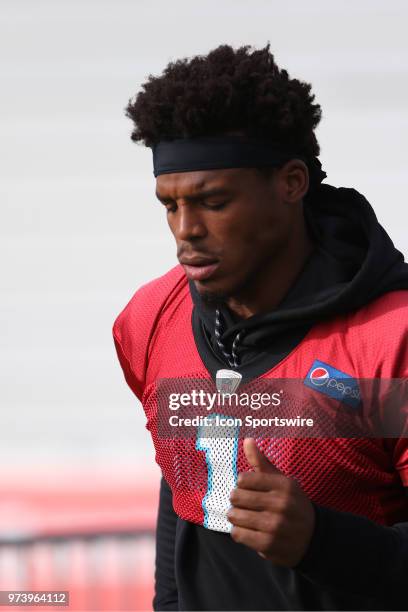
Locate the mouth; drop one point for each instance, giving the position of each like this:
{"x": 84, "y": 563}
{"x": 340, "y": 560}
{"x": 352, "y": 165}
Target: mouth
{"x": 198, "y": 269}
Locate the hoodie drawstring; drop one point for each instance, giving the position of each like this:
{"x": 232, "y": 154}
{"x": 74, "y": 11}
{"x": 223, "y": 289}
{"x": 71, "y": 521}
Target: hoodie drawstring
{"x": 232, "y": 358}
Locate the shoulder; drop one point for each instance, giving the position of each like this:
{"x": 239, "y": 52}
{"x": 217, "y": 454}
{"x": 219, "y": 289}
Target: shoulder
{"x": 135, "y": 326}
{"x": 146, "y": 305}
{"x": 378, "y": 332}
{"x": 387, "y": 313}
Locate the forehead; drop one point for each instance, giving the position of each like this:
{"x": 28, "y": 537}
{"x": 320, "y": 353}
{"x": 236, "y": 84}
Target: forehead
{"x": 180, "y": 184}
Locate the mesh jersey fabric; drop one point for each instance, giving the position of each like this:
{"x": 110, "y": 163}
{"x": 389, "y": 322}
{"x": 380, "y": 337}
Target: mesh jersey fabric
{"x": 364, "y": 476}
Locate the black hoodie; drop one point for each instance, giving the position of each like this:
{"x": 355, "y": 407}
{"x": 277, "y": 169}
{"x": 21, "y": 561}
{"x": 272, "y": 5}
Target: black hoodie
{"x": 353, "y": 262}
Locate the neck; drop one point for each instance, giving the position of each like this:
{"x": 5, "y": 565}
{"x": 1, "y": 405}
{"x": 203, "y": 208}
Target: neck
{"x": 269, "y": 286}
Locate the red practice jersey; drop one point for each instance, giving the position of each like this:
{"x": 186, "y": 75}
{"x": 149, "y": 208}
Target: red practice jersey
{"x": 154, "y": 340}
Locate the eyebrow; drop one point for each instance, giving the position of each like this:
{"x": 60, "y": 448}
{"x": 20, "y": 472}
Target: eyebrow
{"x": 201, "y": 195}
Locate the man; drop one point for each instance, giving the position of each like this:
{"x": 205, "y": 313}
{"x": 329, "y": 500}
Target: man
{"x": 281, "y": 277}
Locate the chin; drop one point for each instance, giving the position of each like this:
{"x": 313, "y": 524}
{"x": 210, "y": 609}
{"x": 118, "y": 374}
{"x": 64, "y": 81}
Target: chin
{"x": 212, "y": 296}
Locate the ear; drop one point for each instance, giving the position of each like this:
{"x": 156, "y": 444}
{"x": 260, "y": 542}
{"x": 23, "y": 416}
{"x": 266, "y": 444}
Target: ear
{"x": 293, "y": 180}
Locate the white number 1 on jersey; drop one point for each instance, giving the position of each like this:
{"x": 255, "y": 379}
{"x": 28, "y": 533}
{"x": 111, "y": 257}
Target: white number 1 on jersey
{"x": 221, "y": 458}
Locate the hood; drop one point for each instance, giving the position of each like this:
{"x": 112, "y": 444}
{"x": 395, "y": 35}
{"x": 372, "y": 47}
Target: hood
{"x": 354, "y": 262}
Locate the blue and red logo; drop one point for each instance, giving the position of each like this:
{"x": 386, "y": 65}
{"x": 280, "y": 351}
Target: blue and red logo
{"x": 338, "y": 385}
{"x": 319, "y": 376}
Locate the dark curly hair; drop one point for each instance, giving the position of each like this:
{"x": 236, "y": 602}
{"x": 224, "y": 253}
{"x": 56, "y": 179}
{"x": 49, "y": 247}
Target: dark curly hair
{"x": 227, "y": 91}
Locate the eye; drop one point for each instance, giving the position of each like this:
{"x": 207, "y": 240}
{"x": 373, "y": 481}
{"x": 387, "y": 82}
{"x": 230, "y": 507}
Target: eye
{"x": 170, "y": 206}
{"x": 215, "y": 205}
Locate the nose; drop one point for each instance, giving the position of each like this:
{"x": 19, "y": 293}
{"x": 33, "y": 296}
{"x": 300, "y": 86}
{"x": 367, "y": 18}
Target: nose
{"x": 187, "y": 224}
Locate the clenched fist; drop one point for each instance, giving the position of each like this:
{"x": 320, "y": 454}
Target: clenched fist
{"x": 270, "y": 513}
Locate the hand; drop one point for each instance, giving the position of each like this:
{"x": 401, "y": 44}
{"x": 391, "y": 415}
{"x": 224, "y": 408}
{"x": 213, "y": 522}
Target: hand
{"x": 270, "y": 513}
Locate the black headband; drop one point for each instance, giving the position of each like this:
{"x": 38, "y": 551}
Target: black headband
{"x": 189, "y": 154}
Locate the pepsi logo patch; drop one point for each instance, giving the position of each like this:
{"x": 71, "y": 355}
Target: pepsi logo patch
{"x": 338, "y": 385}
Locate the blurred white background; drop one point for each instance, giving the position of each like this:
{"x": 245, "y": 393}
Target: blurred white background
{"x": 80, "y": 227}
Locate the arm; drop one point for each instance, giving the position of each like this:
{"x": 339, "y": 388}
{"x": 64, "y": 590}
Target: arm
{"x": 368, "y": 558}
{"x": 333, "y": 549}
{"x": 352, "y": 553}
{"x": 166, "y": 596}
{"x": 131, "y": 342}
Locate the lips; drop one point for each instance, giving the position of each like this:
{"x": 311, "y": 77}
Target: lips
{"x": 199, "y": 268}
